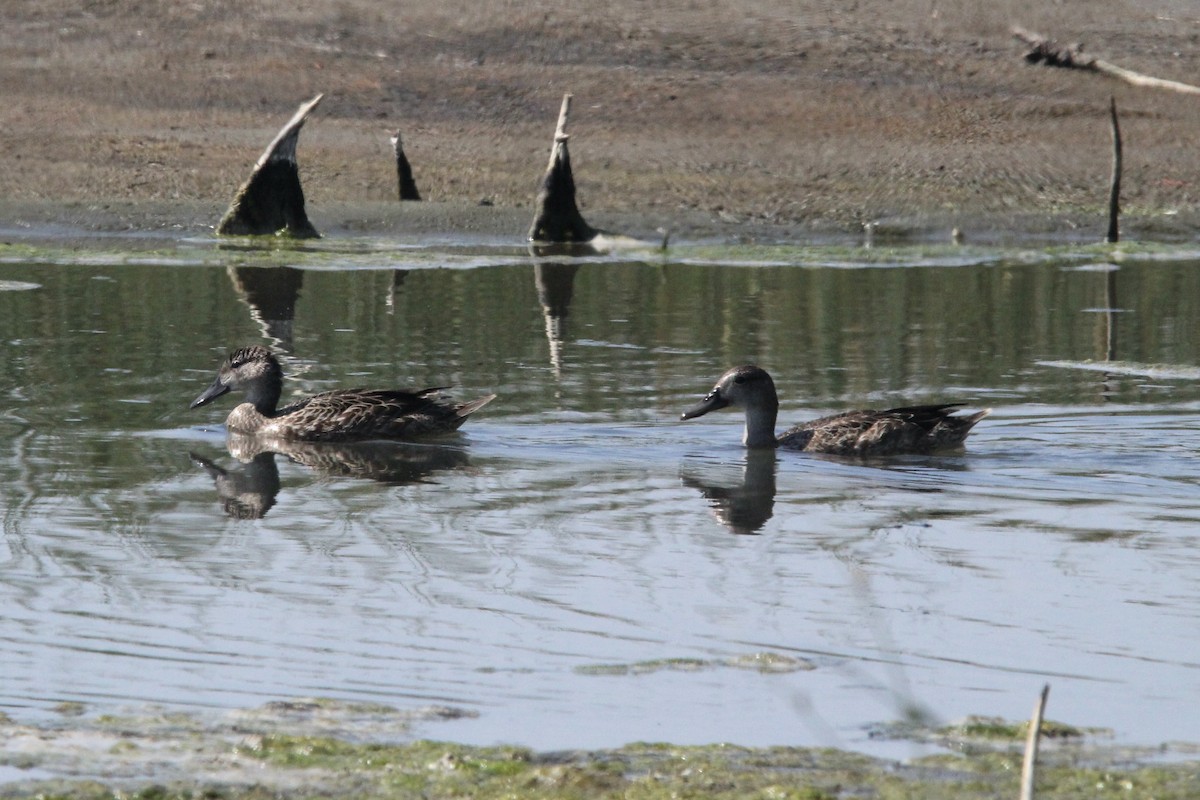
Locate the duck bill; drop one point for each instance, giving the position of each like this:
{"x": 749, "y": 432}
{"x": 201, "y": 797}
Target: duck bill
{"x": 211, "y": 393}
{"x": 713, "y": 402}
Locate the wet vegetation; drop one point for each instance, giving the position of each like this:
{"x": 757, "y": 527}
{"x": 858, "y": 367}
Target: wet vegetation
{"x": 281, "y": 765}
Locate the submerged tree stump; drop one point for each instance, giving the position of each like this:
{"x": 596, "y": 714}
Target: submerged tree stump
{"x": 404, "y": 173}
{"x": 558, "y": 219}
{"x": 272, "y": 201}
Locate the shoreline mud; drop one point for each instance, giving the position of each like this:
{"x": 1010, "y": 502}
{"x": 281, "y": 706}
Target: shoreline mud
{"x": 748, "y": 116}
{"x": 53, "y": 222}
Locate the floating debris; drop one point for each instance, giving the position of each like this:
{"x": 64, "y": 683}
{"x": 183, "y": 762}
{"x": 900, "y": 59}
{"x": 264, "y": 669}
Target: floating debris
{"x": 18, "y": 286}
{"x": 1171, "y": 372}
{"x": 757, "y": 662}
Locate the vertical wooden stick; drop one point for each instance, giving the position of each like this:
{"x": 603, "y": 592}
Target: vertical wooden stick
{"x": 1031, "y": 745}
{"x": 1114, "y": 191}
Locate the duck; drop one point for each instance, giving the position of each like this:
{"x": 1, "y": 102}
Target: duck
{"x": 911, "y": 429}
{"x": 341, "y": 415}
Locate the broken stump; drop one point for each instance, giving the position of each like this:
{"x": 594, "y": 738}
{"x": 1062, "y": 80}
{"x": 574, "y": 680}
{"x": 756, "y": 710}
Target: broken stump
{"x": 272, "y": 201}
{"x": 558, "y": 219}
{"x": 404, "y": 173}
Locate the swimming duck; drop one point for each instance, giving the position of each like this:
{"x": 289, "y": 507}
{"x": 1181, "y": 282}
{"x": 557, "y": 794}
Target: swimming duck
{"x": 915, "y": 429}
{"x": 342, "y": 415}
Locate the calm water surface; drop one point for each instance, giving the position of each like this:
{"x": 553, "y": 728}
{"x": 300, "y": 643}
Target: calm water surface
{"x": 578, "y": 568}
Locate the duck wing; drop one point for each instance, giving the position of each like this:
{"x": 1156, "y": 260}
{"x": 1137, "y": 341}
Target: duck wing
{"x": 349, "y": 414}
{"x": 910, "y": 429}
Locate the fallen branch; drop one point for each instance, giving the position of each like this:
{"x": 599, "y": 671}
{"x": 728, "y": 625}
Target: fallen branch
{"x": 1052, "y": 54}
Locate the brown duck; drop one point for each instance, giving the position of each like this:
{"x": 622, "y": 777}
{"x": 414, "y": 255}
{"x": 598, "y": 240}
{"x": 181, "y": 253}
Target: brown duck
{"x": 915, "y": 429}
{"x": 341, "y": 415}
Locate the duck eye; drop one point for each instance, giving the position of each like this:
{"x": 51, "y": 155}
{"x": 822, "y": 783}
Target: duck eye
{"x": 740, "y": 379}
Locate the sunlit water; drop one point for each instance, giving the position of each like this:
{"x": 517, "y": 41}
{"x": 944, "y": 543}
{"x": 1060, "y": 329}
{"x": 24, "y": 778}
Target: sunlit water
{"x": 579, "y": 568}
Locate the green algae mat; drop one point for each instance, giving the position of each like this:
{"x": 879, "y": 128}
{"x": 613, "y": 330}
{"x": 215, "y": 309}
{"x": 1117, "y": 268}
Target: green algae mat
{"x": 325, "y": 748}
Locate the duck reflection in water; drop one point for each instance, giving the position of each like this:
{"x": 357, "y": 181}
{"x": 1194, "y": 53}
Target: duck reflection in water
{"x": 745, "y": 507}
{"x": 246, "y": 493}
{"x": 250, "y": 491}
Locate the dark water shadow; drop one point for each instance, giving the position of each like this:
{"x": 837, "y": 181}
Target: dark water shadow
{"x": 555, "y": 288}
{"x": 1111, "y": 310}
{"x": 395, "y": 287}
{"x": 271, "y": 293}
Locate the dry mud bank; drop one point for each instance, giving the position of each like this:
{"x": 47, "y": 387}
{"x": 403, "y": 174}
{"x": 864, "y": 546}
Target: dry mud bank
{"x": 746, "y": 113}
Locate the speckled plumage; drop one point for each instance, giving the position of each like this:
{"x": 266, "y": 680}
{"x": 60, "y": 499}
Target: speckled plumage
{"x": 913, "y": 429}
{"x": 341, "y": 415}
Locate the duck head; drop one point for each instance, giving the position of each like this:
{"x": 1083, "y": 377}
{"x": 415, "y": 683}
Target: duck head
{"x": 251, "y": 370}
{"x": 751, "y": 389}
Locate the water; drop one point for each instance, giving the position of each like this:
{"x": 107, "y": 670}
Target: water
{"x": 580, "y": 569}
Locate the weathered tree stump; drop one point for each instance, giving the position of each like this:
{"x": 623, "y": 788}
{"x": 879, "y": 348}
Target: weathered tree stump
{"x": 558, "y": 219}
{"x": 272, "y": 200}
{"x": 404, "y": 173}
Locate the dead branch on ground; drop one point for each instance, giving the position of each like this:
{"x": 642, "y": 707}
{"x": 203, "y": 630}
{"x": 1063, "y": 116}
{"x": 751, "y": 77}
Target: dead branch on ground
{"x": 1052, "y": 54}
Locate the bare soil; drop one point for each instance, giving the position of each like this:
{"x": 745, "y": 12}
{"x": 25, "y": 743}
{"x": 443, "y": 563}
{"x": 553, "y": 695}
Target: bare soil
{"x": 755, "y": 114}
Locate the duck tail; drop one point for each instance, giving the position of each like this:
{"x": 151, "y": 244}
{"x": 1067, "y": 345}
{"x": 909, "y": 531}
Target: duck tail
{"x": 970, "y": 421}
{"x": 953, "y": 431}
{"x": 465, "y": 410}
